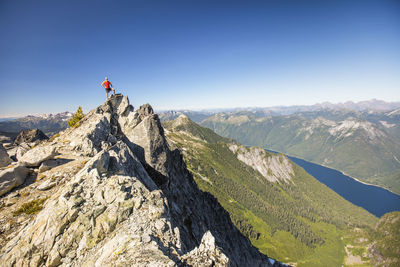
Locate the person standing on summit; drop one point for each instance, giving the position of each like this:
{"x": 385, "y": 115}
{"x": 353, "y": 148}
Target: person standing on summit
{"x": 108, "y": 86}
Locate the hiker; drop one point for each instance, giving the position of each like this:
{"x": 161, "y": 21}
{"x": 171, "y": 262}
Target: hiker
{"x": 108, "y": 86}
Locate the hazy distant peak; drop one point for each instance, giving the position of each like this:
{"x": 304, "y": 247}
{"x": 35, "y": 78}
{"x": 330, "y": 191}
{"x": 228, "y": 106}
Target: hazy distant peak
{"x": 373, "y": 104}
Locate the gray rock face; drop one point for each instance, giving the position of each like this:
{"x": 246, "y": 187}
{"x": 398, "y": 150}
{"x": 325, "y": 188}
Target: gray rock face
{"x": 133, "y": 203}
{"x": 12, "y": 177}
{"x": 30, "y": 136}
{"x": 275, "y": 168}
{"x": 4, "y": 158}
{"x": 37, "y": 155}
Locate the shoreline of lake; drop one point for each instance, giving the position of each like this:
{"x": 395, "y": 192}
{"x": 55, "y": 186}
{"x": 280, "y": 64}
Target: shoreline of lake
{"x": 375, "y": 199}
{"x": 329, "y": 167}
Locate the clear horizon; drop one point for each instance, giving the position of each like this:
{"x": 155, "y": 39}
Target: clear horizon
{"x": 196, "y": 110}
{"x": 198, "y": 54}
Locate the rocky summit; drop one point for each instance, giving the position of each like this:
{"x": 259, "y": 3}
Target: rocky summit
{"x": 29, "y": 136}
{"x": 114, "y": 192}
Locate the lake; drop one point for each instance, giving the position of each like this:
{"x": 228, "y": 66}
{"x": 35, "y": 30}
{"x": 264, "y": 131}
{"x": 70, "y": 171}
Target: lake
{"x": 374, "y": 199}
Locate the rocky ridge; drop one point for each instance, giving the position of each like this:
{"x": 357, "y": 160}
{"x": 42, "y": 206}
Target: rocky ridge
{"x": 121, "y": 195}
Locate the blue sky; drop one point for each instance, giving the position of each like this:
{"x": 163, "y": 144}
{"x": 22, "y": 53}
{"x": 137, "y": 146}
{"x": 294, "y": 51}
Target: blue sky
{"x": 197, "y": 54}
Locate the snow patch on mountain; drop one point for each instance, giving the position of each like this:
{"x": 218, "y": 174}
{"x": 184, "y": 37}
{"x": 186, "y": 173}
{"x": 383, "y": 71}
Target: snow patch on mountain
{"x": 348, "y": 127}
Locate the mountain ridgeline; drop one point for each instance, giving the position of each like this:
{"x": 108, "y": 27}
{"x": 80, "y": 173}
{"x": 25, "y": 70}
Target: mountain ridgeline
{"x": 49, "y": 124}
{"x": 285, "y": 212}
{"x": 117, "y": 194}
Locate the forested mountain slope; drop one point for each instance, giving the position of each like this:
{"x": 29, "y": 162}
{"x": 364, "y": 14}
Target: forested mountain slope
{"x": 283, "y": 210}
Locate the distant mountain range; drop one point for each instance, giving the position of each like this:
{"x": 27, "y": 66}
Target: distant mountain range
{"x": 374, "y": 106}
{"x": 51, "y": 123}
{"x": 364, "y": 145}
{"x": 48, "y": 123}
{"x": 361, "y": 139}
{"x": 8, "y": 119}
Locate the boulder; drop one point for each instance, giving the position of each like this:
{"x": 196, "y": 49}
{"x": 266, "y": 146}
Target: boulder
{"x": 46, "y": 185}
{"x": 37, "y": 155}
{"x": 12, "y": 177}
{"x": 47, "y": 165}
{"x": 30, "y": 136}
{"x": 4, "y": 158}
{"x": 21, "y": 150}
